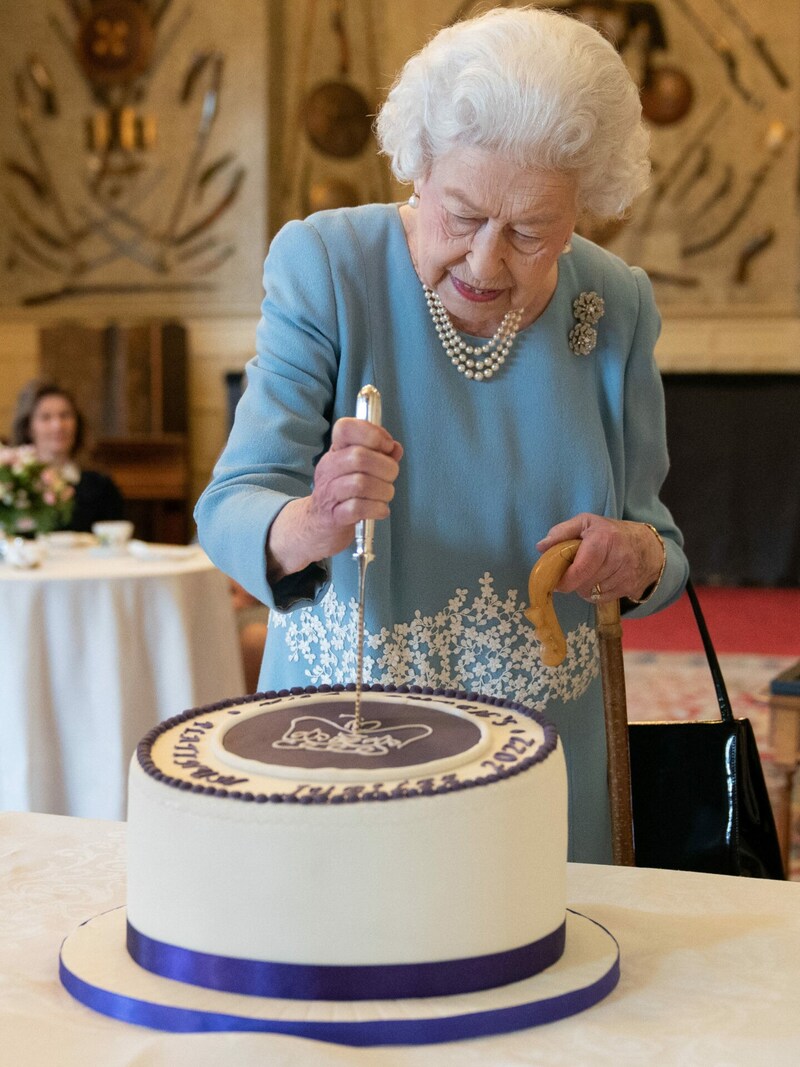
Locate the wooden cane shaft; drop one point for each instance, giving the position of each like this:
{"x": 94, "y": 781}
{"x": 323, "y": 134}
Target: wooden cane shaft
{"x": 612, "y": 672}
{"x": 544, "y": 577}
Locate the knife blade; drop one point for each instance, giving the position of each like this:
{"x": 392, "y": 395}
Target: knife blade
{"x": 368, "y": 406}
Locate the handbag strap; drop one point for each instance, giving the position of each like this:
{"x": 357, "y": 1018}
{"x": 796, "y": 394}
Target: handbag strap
{"x": 719, "y": 682}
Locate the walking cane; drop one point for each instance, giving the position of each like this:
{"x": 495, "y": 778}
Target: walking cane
{"x": 544, "y": 577}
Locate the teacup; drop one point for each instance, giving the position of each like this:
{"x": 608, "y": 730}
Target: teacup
{"x": 25, "y": 554}
{"x": 113, "y": 533}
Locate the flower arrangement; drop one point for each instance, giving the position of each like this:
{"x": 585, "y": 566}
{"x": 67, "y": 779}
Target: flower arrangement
{"x": 35, "y": 497}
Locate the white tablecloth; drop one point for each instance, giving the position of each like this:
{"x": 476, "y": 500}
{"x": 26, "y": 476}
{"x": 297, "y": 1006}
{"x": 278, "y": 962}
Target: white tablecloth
{"x": 710, "y": 972}
{"x": 94, "y": 651}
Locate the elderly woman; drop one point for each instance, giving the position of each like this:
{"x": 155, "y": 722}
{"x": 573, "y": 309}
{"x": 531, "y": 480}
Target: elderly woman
{"x": 48, "y": 418}
{"x": 521, "y": 401}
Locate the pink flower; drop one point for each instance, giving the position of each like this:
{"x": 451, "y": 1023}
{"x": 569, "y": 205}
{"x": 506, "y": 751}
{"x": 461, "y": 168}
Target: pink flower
{"x": 33, "y": 494}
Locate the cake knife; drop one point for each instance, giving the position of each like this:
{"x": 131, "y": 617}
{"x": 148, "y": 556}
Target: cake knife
{"x": 368, "y": 406}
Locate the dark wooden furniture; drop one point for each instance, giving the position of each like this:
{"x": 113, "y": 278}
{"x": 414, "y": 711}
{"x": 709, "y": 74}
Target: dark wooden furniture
{"x": 152, "y": 472}
{"x": 130, "y": 383}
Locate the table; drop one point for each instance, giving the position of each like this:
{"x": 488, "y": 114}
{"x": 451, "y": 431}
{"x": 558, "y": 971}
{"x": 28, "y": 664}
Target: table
{"x": 94, "y": 651}
{"x": 710, "y": 972}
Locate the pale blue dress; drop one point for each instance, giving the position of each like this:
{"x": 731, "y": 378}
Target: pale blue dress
{"x": 488, "y": 468}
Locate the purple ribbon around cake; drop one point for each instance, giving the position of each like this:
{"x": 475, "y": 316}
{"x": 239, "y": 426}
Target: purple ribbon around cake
{"x": 442, "y": 1021}
{"x": 391, "y": 1031}
{"x": 294, "y": 981}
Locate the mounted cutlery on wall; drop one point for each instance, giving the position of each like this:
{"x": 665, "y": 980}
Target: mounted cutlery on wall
{"x": 134, "y": 140}
{"x": 723, "y": 113}
{"x": 719, "y": 94}
{"x": 329, "y": 154}
{"x": 132, "y": 152}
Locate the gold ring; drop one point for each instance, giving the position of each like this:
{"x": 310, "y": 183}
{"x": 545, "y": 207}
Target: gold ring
{"x": 597, "y": 592}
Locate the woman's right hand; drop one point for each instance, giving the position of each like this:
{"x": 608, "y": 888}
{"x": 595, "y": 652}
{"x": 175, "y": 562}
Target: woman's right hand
{"x": 354, "y": 480}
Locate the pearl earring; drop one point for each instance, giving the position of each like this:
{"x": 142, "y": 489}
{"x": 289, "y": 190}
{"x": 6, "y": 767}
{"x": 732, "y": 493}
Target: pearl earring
{"x": 413, "y": 200}
{"x": 567, "y": 248}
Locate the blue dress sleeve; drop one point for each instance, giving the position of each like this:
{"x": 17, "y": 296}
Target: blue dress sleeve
{"x": 282, "y": 422}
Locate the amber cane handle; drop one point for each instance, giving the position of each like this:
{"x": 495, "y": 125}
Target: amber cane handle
{"x": 547, "y": 572}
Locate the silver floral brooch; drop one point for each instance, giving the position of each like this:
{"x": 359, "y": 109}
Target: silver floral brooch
{"x": 588, "y": 309}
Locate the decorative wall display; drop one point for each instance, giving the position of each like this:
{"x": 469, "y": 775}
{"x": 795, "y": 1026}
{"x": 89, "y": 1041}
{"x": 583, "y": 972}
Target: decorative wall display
{"x": 132, "y": 143}
{"x": 718, "y": 230}
{"x": 333, "y": 80}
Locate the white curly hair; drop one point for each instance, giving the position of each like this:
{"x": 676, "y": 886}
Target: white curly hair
{"x": 537, "y": 87}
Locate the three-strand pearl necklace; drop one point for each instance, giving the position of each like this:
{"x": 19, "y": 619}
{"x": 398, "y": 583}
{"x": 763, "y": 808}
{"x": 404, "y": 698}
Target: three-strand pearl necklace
{"x": 476, "y": 362}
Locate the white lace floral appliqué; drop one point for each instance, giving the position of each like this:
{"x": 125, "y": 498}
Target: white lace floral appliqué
{"x": 484, "y": 639}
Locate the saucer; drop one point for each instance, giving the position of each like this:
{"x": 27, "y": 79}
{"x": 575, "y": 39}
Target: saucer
{"x": 148, "y": 551}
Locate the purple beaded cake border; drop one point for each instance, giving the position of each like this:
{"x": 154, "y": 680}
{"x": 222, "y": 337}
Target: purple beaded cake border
{"x": 147, "y": 764}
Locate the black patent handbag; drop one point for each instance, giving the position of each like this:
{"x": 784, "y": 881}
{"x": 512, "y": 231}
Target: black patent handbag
{"x": 699, "y": 798}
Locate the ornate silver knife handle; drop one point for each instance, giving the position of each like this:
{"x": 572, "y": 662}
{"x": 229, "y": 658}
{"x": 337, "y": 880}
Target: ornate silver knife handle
{"x": 368, "y": 406}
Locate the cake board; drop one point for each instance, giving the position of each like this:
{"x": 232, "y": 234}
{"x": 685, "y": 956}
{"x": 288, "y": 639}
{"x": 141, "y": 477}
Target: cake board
{"x": 96, "y": 969}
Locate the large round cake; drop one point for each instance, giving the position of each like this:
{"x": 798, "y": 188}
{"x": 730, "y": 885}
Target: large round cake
{"x": 399, "y": 882}
{"x": 269, "y": 829}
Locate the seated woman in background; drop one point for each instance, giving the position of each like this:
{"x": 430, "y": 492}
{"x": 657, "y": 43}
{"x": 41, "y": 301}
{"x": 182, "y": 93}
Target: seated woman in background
{"x": 48, "y": 418}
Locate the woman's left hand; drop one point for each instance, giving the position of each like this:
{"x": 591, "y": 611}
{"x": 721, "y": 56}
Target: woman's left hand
{"x": 621, "y": 558}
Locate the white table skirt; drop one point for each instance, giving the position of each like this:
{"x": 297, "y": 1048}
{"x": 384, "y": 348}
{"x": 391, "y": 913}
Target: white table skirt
{"x": 710, "y": 972}
{"x": 94, "y": 651}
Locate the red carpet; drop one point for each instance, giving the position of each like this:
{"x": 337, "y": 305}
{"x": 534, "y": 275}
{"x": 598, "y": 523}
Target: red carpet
{"x": 746, "y": 620}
